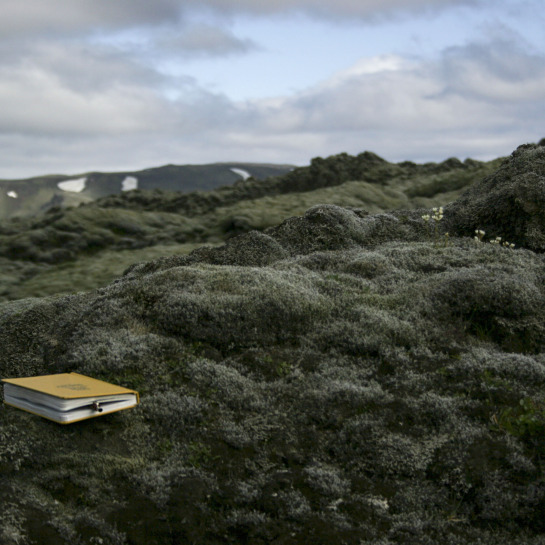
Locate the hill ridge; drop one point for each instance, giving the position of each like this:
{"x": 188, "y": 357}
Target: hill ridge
{"x": 31, "y": 196}
{"x": 54, "y": 252}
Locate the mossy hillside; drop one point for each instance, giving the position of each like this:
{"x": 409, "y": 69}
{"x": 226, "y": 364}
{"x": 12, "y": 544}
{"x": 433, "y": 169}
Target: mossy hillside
{"x": 63, "y": 235}
{"x": 83, "y": 248}
{"x": 22, "y": 279}
{"x": 341, "y": 377}
{"x": 353, "y": 410}
{"x": 269, "y": 211}
{"x": 420, "y": 181}
{"x": 390, "y": 187}
{"x": 32, "y": 194}
{"x": 51, "y": 253}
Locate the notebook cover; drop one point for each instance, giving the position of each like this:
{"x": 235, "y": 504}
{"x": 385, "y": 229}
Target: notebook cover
{"x": 70, "y": 386}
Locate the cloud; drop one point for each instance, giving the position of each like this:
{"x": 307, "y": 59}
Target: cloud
{"x": 83, "y": 68}
{"x": 36, "y": 103}
{"x": 73, "y": 105}
{"x": 59, "y": 17}
{"x": 51, "y": 17}
{"x": 202, "y": 39}
{"x": 330, "y": 8}
{"x": 481, "y": 84}
{"x": 463, "y": 103}
{"x": 496, "y": 72}
{"x": 81, "y": 91}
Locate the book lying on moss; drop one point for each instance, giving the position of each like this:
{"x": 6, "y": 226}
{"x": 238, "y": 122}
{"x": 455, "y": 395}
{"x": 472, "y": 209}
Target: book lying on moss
{"x": 67, "y": 397}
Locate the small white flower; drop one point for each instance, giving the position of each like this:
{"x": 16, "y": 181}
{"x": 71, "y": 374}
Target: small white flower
{"x": 437, "y": 213}
{"x": 479, "y": 235}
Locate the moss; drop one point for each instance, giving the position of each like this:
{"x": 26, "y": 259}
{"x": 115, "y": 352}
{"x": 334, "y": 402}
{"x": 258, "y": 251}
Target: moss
{"x": 65, "y": 243}
{"x": 525, "y": 420}
{"x": 507, "y": 203}
{"x": 337, "y": 378}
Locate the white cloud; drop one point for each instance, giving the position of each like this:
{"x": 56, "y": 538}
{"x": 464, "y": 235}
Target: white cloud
{"x": 497, "y": 72}
{"x": 373, "y": 65}
{"x": 468, "y": 87}
{"x": 462, "y": 103}
{"x": 425, "y": 110}
{"x": 76, "y": 99}
{"x": 36, "y": 101}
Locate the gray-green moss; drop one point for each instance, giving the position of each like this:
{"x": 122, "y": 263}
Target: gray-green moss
{"x": 509, "y": 203}
{"x": 339, "y": 378}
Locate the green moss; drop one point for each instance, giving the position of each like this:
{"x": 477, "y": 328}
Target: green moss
{"x": 324, "y": 381}
{"x": 199, "y": 454}
{"x": 525, "y": 420}
{"x": 87, "y": 272}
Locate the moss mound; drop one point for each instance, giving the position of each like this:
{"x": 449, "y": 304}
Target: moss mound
{"x": 508, "y": 203}
{"x": 340, "y": 378}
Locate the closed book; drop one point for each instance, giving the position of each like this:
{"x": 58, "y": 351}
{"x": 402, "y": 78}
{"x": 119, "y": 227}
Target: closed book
{"x": 67, "y": 397}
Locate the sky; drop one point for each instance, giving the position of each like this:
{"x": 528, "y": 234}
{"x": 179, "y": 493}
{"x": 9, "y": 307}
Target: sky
{"x": 115, "y": 85}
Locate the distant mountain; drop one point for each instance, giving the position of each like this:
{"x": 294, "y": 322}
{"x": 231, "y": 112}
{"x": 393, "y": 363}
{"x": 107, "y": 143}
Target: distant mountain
{"x": 33, "y": 195}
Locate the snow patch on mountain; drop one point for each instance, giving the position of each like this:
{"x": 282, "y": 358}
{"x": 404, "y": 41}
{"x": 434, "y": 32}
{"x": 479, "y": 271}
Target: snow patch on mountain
{"x": 244, "y": 174}
{"x": 74, "y": 186}
{"x": 129, "y": 183}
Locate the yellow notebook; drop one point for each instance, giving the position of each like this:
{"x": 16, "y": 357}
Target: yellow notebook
{"x": 67, "y": 397}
